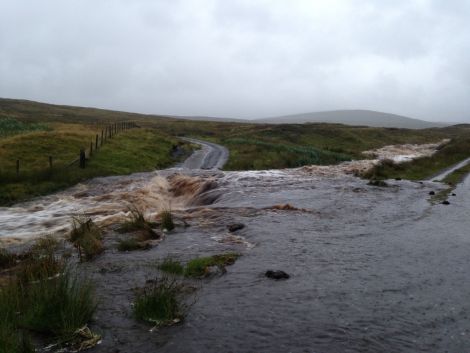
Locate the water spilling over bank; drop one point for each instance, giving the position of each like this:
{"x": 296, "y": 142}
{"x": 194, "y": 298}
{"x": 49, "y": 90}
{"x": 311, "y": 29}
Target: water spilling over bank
{"x": 372, "y": 269}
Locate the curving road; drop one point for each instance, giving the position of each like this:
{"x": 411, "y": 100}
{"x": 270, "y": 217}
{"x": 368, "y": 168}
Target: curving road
{"x": 441, "y": 176}
{"x": 210, "y": 156}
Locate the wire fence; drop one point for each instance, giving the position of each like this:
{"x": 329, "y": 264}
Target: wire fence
{"x": 83, "y": 155}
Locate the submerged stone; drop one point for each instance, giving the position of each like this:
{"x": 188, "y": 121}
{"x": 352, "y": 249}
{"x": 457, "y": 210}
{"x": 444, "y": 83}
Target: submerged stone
{"x": 276, "y": 274}
{"x": 234, "y": 227}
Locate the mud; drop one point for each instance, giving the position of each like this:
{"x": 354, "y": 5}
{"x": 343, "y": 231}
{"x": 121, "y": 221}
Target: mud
{"x": 371, "y": 269}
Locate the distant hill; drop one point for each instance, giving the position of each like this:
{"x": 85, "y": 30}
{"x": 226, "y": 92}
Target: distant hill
{"x": 30, "y": 110}
{"x": 212, "y": 118}
{"x": 353, "y": 117}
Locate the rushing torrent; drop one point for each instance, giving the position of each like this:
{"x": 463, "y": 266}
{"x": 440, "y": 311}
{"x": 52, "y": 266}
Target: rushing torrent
{"x": 371, "y": 269}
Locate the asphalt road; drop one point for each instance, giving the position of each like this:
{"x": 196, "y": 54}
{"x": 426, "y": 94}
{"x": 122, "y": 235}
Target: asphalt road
{"x": 210, "y": 156}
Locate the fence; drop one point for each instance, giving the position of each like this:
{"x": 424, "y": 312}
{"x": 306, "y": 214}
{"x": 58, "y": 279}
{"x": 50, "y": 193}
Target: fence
{"x": 97, "y": 141}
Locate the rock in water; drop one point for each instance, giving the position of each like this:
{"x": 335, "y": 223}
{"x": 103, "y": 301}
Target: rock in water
{"x": 276, "y": 274}
{"x": 432, "y": 193}
{"x": 234, "y": 227}
{"x": 445, "y": 202}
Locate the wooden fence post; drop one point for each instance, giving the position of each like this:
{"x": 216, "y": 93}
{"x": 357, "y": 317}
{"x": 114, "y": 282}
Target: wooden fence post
{"x": 91, "y": 149}
{"x": 82, "y": 158}
{"x": 96, "y": 142}
{"x": 102, "y": 137}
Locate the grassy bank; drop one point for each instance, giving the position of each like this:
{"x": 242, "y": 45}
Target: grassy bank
{"x": 262, "y": 146}
{"x": 457, "y": 150}
{"x": 131, "y": 151}
{"x": 251, "y": 146}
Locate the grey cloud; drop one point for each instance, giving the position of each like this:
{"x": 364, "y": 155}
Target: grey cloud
{"x": 240, "y": 58}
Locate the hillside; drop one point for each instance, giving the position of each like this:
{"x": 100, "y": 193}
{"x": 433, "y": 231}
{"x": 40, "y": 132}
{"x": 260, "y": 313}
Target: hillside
{"x": 353, "y": 117}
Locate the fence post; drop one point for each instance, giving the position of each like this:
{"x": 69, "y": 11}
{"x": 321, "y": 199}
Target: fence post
{"x": 50, "y": 162}
{"x": 91, "y": 149}
{"x": 82, "y": 158}
{"x": 102, "y": 137}
{"x": 17, "y": 168}
{"x": 96, "y": 142}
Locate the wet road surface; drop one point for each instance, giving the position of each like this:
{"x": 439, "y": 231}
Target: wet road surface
{"x": 210, "y": 156}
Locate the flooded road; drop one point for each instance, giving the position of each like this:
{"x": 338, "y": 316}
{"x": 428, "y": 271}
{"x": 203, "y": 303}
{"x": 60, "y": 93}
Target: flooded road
{"x": 372, "y": 269}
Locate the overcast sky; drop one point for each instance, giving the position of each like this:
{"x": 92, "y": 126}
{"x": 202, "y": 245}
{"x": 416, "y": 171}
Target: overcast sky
{"x": 240, "y": 58}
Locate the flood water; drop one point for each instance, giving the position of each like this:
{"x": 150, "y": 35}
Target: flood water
{"x": 372, "y": 269}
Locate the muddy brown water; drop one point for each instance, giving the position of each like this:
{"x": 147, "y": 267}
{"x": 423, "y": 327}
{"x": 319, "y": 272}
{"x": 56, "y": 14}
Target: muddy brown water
{"x": 372, "y": 269}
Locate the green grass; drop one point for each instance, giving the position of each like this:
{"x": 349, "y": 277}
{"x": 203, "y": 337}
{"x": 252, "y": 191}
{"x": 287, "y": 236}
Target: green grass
{"x": 12, "y": 338}
{"x": 252, "y": 146}
{"x": 198, "y": 267}
{"x": 57, "y": 306}
{"x": 171, "y": 266}
{"x": 452, "y": 180}
{"x": 44, "y": 295}
{"x": 457, "y": 176}
{"x": 279, "y": 154}
{"x": 161, "y": 303}
{"x": 10, "y": 127}
{"x": 262, "y": 146}
{"x": 63, "y": 143}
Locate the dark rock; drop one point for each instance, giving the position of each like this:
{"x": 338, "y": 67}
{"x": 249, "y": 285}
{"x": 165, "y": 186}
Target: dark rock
{"x": 234, "y": 227}
{"x": 445, "y": 202}
{"x": 432, "y": 193}
{"x": 276, "y": 274}
{"x": 398, "y": 179}
{"x": 379, "y": 183}
{"x": 454, "y": 195}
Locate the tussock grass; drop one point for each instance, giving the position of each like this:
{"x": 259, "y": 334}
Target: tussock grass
{"x": 13, "y": 340}
{"x": 138, "y": 222}
{"x": 171, "y": 266}
{"x": 44, "y": 295}
{"x": 198, "y": 267}
{"x": 161, "y": 303}
{"x": 86, "y": 237}
{"x": 7, "y": 259}
{"x": 57, "y": 306}
{"x": 167, "y": 220}
{"x": 41, "y": 261}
